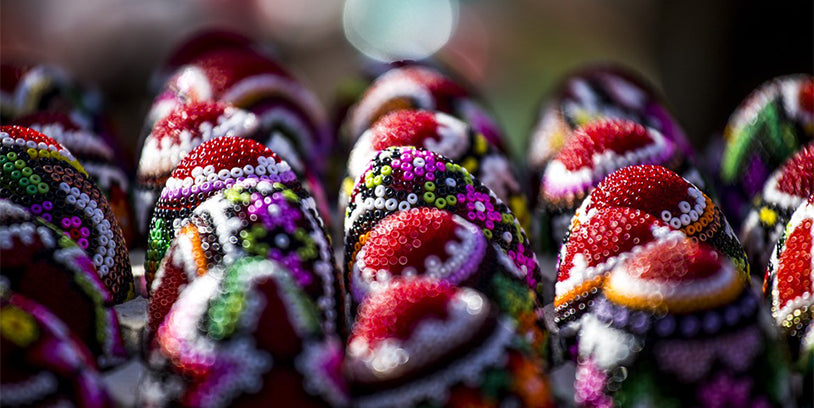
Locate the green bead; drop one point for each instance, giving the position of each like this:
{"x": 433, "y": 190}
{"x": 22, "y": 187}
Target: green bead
{"x": 43, "y": 188}
{"x": 24, "y": 181}
{"x": 20, "y": 164}
{"x": 451, "y": 200}
{"x": 31, "y": 189}
{"x": 8, "y": 166}
{"x": 27, "y": 171}
{"x": 440, "y": 203}
{"x": 16, "y": 174}
{"x": 386, "y": 170}
{"x": 429, "y": 186}
{"x": 429, "y": 197}
{"x": 11, "y": 156}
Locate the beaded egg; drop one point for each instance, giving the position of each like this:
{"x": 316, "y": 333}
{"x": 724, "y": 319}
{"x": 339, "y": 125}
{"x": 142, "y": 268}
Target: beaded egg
{"x": 419, "y": 87}
{"x": 590, "y": 154}
{"x": 677, "y": 325}
{"x": 248, "y": 336}
{"x": 257, "y": 218}
{"x": 39, "y": 262}
{"x": 447, "y": 136}
{"x": 592, "y": 249}
{"x": 197, "y": 44}
{"x": 42, "y": 176}
{"x": 789, "y": 282}
{"x": 769, "y": 126}
{"x": 291, "y": 117}
{"x": 212, "y": 166}
{"x": 25, "y": 89}
{"x": 43, "y": 364}
{"x": 594, "y": 93}
{"x": 669, "y": 197}
{"x": 451, "y": 249}
{"x": 424, "y": 342}
{"x": 97, "y": 157}
{"x": 400, "y": 178}
{"x": 173, "y": 137}
{"x": 785, "y": 190}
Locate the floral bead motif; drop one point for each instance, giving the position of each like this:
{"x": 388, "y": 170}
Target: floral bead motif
{"x": 401, "y": 178}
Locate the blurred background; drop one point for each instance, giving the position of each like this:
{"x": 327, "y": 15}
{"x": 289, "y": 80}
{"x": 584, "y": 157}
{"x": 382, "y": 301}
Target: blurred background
{"x": 705, "y": 56}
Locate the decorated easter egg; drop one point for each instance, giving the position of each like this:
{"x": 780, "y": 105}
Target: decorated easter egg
{"x": 769, "y": 126}
{"x": 447, "y": 136}
{"x": 595, "y": 93}
{"x": 677, "y": 325}
{"x": 786, "y": 189}
{"x": 425, "y": 342}
{"x": 209, "y": 168}
{"x": 672, "y": 199}
{"x": 257, "y": 218}
{"x": 26, "y": 89}
{"x": 42, "y": 176}
{"x": 789, "y": 281}
{"x": 590, "y": 154}
{"x": 173, "y": 137}
{"x": 43, "y": 364}
{"x": 246, "y": 337}
{"x": 451, "y": 249}
{"x": 97, "y": 157}
{"x": 607, "y": 238}
{"x": 400, "y": 178}
{"x": 39, "y": 262}
{"x": 419, "y": 87}
{"x": 292, "y": 118}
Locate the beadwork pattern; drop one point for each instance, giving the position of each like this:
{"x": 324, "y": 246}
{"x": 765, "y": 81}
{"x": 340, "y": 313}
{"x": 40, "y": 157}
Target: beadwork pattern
{"x": 177, "y": 134}
{"x": 419, "y": 87}
{"x": 424, "y": 341}
{"x": 250, "y": 336}
{"x": 96, "y": 156}
{"x": 789, "y": 282}
{"x": 787, "y": 188}
{"x": 400, "y": 178}
{"x": 43, "y": 363}
{"x": 213, "y": 166}
{"x": 452, "y": 250}
{"x": 447, "y": 136}
{"x": 590, "y": 154}
{"x": 255, "y": 218}
{"x": 42, "y": 176}
{"x": 769, "y": 126}
{"x": 676, "y": 325}
{"x": 595, "y": 93}
{"x": 290, "y": 115}
{"x": 672, "y": 199}
{"x": 39, "y": 262}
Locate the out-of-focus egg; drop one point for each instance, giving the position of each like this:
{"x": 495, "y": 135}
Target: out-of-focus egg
{"x": 419, "y": 87}
{"x": 244, "y": 338}
{"x": 424, "y": 342}
{"x": 39, "y": 262}
{"x": 43, "y": 364}
{"x": 769, "y": 126}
